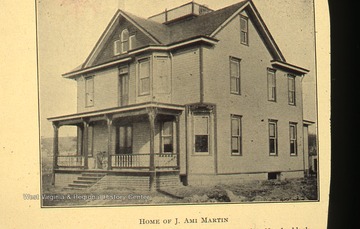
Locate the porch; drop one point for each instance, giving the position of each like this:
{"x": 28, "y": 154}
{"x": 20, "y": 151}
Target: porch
{"x": 138, "y": 139}
{"x": 120, "y": 162}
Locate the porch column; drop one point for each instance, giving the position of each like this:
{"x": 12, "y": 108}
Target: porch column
{"x": 152, "y": 117}
{"x": 79, "y": 140}
{"x": 109, "y": 121}
{"x": 56, "y": 127}
{"x": 86, "y": 142}
{"x": 177, "y": 124}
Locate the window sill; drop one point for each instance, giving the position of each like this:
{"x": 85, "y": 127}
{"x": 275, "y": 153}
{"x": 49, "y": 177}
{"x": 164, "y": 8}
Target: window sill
{"x": 201, "y": 154}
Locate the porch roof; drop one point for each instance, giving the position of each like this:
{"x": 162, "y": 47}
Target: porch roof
{"x": 117, "y": 112}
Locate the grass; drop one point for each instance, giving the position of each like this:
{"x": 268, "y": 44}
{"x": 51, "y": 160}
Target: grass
{"x": 292, "y": 190}
{"x": 302, "y": 189}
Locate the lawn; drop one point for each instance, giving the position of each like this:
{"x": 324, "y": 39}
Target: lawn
{"x": 288, "y": 190}
{"x": 291, "y": 190}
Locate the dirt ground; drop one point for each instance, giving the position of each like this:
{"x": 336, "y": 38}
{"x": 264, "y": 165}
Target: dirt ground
{"x": 292, "y": 190}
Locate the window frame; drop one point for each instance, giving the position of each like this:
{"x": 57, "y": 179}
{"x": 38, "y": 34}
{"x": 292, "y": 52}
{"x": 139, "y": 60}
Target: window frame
{"x": 271, "y": 86}
{"x": 238, "y": 136}
{"x": 291, "y": 92}
{"x": 238, "y": 77}
{"x": 121, "y": 86}
{"x": 117, "y": 47}
{"x": 245, "y": 31}
{"x": 131, "y": 41}
{"x": 140, "y": 78}
{"x": 125, "y": 40}
{"x": 162, "y": 136}
{"x": 275, "y": 137}
{"x": 208, "y": 117}
{"x": 87, "y": 93}
{"x": 294, "y": 140}
{"x": 118, "y": 138}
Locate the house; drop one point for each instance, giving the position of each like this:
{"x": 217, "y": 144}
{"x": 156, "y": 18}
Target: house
{"x": 189, "y": 95}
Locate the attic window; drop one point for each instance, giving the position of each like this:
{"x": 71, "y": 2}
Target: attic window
{"x": 244, "y": 33}
{"x": 124, "y": 41}
{"x": 117, "y": 47}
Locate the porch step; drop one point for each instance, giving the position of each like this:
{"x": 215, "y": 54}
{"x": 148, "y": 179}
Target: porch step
{"x": 85, "y": 181}
{"x": 168, "y": 181}
{"x": 84, "y": 178}
{"x": 123, "y": 182}
{"x": 80, "y": 185}
{"x": 93, "y": 174}
{"x": 98, "y": 180}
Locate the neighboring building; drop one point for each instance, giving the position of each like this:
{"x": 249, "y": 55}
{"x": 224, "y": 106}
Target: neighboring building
{"x": 191, "y": 95}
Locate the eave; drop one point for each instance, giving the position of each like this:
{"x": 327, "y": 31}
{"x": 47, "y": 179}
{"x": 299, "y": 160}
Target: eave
{"x": 289, "y": 67}
{"x": 125, "y": 111}
{"x": 150, "y": 48}
{"x": 308, "y": 122}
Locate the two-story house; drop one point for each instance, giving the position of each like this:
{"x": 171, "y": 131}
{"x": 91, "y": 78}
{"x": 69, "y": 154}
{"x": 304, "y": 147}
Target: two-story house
{"x": 191, "y": 95}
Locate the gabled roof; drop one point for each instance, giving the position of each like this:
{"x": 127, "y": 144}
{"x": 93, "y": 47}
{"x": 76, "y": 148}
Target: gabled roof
{"x": 157, "y": 30}
{"x": 207, "y": 25}
{"x": 202, "y": 25}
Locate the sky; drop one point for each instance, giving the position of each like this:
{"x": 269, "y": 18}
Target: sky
{"x": 68, "y": 30}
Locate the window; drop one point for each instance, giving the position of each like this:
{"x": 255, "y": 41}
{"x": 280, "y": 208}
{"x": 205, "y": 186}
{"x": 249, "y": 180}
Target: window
{"x": 244, "y": 35}
{"x": 124, "y": 139}
{"x": 236, "y": 140}
{"x": 117, "y": 46}
{"x": 273, "y": 137}
{"x": 291, "y": 86}
{"x": 167, "y": 137}
{"x": 271, "y": 81}
{"x": 201, "y": 134}
{"x": 144, "y": 77}
{"x": 89, "y": 91}
{"x": 124, "y": 41}
{"x": 123, "y": 86}
{"x": 163, "y": 84}
{"x": 132, "y": 42}
{"x": 293, "y": 139}
{"x": 234, "y": 76}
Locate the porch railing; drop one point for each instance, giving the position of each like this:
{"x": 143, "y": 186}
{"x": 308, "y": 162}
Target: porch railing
{"x": 70, "y": 161}
{"x": 124, "y": 161}
{"x": 165, "y": 160}
{"x": 143, "y": 160}
{"x": 130, "y": 160}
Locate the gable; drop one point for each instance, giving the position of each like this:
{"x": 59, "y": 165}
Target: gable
{"x": 249, "y": 10}
{"x": 148, "y": 32}
{"x": 106, "y": 53}
{"x": 143, "y": 30}
{"x": 230, "y": 41}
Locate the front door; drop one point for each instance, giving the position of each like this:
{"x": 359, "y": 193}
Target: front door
{"x": 124, "y": 140}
